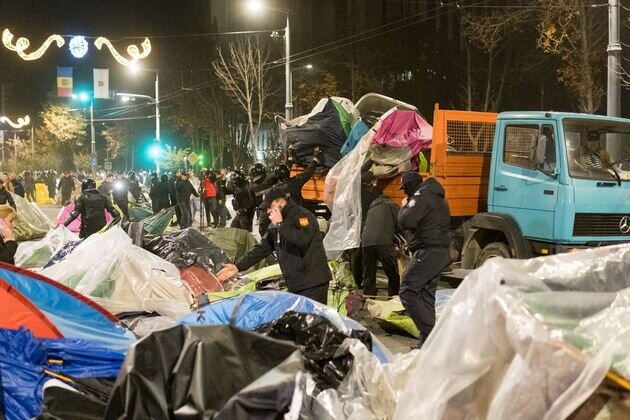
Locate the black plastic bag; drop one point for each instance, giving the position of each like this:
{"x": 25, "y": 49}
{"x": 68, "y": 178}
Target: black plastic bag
{"x": 320, "y": 342}
{"x": 87, "y": 403}
{"x": 188, "y": 247}
{"x": 194, "y": 372}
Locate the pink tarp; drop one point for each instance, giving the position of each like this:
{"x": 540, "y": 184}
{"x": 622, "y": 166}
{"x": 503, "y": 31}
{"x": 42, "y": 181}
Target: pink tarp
{"x": 75, "y": 226}
{"x": 405, "y": 129}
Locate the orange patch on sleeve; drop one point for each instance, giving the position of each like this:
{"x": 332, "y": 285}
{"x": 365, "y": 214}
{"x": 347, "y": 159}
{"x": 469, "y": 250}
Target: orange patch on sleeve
{"x": 303, "y": 221}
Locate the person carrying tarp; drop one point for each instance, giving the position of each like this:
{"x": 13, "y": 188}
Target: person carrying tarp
{"x": 91, "y": 206}
{"x": 294, "y": 236}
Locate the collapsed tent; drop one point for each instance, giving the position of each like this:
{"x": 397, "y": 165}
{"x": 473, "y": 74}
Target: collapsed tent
{"x": 137, "y": 213}
{"x": 27, "y": 363}
{"x": 205, "y": 372}
{"x": 157, "y": 224}
{"x": 252, "y": 310}
{"x": 234, "y": 242}
{"x": 56, "y": 311}
{"x": 36, "y": 254}
{"x": 326, "y": 127}
{"x": 359, "y": 129}
{"x": 122, "y": 277}
{"x": 31, "y": 222}
{"x": 75, "y": 226}
{"x": 539, "y": 337}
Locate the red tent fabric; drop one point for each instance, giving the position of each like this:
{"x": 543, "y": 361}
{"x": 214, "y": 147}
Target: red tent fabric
{"x": 199, "y": 281}
{"x": 17, "y": 311}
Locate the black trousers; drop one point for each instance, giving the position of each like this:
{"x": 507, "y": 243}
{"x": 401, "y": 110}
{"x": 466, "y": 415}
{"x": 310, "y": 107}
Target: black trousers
{"x": 356, "y": 265}
{"x": 386, "y": 255}
{"x": 243, "y": 221}
{"x": 317, "y": 293}
{"x": 419, "y": 282}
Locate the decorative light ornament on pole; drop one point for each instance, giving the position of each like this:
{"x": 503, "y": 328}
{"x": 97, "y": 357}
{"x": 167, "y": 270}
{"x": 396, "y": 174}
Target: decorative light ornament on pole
{"x": 78, "y": 47}
{"x": 256, "y": 7}
{"x": 21, "y": 122}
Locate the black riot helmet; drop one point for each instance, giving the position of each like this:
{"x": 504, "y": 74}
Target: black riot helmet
{"x": 257, "y": 171}
{"x": 237, "y": 178}
{"x": 282, "y": 171}
{"x": 88, "y": 184}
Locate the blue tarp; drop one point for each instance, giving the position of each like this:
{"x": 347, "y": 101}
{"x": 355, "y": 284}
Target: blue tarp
{"x": 256, "y": 308}
{"x": 73, "y": 317}
{"x": 23, "y": 359}
{"x": 358, "y": 131}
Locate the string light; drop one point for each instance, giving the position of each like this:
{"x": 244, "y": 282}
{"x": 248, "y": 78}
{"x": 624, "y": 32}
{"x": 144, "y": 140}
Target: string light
{"x": 23, "y": 43}
{"x": 78, "y": 46}
{"x": 132, "y": 50}
{"x": 21, "y": 122}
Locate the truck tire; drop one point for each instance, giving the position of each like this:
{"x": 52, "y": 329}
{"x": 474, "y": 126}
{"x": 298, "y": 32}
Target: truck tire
{"x": 493, "y": 250}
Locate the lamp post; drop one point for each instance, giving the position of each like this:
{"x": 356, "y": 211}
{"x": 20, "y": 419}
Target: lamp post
{"x": 84, "y": 97}
{"x": 156, "y": 100}
{"x": 256, "y": 7}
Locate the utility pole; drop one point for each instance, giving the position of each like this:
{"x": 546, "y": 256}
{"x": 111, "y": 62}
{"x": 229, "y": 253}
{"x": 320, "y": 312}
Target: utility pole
{"x": 15, "y": 140}
{"x": 93, "y": 143}
{"x": 614, "y": 52}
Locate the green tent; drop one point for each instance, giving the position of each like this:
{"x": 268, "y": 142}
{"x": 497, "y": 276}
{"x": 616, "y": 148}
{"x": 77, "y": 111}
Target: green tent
{"x": 158, "y": 223}
{"x": 137, "y": 214}
{"x": 234, "y": 242}
{"x": 344, "y": 116}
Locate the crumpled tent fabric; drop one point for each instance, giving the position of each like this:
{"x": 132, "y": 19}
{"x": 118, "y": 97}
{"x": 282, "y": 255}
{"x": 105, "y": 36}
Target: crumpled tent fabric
{"x": 233, "y": 242}
{"x": 323, "y": 128}
{"x": 158, "y": 223}
{"x": 389, "y": 161}
{"x": 194, "y": 371}
{"x": 74, "y": 315}
{"x": 359, "y": 129}
{"x": 122, "y": 277}
{"x": 41, "y": 194}
{"x": 24, "y": 361}
{"x": 75, "y": 226}
{"x": 63, "y": 252}
{"x": 137, "y": 214}
{"x": 200, "y": 281}
{"x": 254, "y": 309}
{"x": 31, "y": 222}
{"x": 35, "y": 254}
{"x": 320, "y": 343}
{"x": 86, "y": 399}
{"x": 188, "y": 247}
{"x": 402, "y": 128}
{"x": 553, "y": 325}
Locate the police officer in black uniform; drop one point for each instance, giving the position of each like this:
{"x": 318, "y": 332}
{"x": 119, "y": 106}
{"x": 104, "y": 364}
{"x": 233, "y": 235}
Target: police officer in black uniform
{"x": 425, "y": 218}
{"x": 242, "y": 202}
{"x": 294, "y": 236}
{"x": 91, "y": 205}
{"x": 261, "y": 182}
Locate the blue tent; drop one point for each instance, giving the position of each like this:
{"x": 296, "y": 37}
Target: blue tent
{"x": 26, "y": 363}
{"x": 358, "y": 131}
{"x": 72, "y": 314}
{"x": 254, "y": 309}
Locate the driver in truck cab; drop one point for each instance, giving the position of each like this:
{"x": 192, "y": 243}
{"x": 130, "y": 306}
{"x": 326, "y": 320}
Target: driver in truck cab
{"x": 591, "y": 154}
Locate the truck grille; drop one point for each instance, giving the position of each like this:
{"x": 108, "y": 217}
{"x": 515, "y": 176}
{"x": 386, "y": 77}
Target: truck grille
{"x": 593, "y": 224}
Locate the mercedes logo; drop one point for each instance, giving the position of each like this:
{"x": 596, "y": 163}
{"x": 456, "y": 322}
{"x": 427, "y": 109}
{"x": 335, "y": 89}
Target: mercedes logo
{"x": 624, "y": 224}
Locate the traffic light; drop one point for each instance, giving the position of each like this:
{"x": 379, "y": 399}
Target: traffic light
{"x": 200, "y": 159}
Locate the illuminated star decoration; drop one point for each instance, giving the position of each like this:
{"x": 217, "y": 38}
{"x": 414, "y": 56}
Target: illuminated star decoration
{"x": 22, "y": 44}
{"x": 132, "y": 50}
{"x": 21, "y": 122}
{"x": 78, "y": 46}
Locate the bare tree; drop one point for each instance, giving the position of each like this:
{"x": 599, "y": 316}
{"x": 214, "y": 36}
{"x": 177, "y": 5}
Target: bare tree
{"x": 576, "y": 33}
{"x": 243, "y": 75}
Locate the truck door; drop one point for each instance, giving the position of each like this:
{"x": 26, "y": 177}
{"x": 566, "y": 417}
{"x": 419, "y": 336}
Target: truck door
{"x": 525, "y": 182}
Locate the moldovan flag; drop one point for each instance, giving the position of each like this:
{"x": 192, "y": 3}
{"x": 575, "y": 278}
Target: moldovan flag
{"x": 101, "y": 83}
{"x": 64, "y": 81}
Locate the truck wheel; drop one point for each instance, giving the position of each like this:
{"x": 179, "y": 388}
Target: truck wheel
{"x": 493, "y": 250}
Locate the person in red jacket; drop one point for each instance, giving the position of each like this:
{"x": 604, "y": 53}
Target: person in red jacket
{"x": 209, "y": 195}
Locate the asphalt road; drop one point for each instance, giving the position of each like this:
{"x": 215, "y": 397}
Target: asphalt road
{"x": 394, "y": 342}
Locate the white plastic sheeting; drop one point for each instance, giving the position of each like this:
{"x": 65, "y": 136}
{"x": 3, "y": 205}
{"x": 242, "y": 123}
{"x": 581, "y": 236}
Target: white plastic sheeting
{"x": 35, "y": 254}
{"x": 525, "y": 339}
{"x": 122, "y": 277}
{"x": 30, "y": 222}
{"x": 343, "y": 182}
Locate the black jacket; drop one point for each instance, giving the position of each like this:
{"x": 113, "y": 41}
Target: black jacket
{"x": 293, "y": 186}
{"x": 426, "y": 219}
{"x": 257, "y": 189}
{"x": 172, "y": 189}
{"x": 5, "y": 198}
{"x": 162, "y": 195}
{"x": 106, "y": 188}
{"x": 299, "y": 247}
{"x": 91, "y": 205}
{"x": 7, "y": 251}
{"x": 381, "y": 222}
{"x": 184, "y": 189}
{"x": 220, "y": 185}
{"x": 66, "y": 183}
{"x": 243, "y": 201}
{"x": 18, "y": 188}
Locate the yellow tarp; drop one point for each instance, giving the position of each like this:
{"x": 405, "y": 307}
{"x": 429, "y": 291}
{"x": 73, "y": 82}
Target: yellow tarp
{"x": 41, "y": 194}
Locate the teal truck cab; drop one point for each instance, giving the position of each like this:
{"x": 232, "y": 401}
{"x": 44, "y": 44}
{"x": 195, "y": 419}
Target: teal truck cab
{"x": 557, "y": 182}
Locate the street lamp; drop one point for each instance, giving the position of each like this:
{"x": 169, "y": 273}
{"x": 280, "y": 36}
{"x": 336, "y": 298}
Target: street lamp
{"x": 84, "y": 97}
{"x": 135, "y": 69}
{"x": 256, "y": 7}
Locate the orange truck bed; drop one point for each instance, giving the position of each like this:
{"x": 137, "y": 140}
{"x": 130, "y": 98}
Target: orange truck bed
{"x": 460, "y": 160}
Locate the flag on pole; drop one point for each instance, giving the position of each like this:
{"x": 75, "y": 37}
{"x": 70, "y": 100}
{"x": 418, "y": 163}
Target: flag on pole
{"x": 101, "y": 83}
{"x": 64, "y": 81}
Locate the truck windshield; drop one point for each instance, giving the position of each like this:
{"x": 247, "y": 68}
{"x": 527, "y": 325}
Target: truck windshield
{"x": 598, "y": 149}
